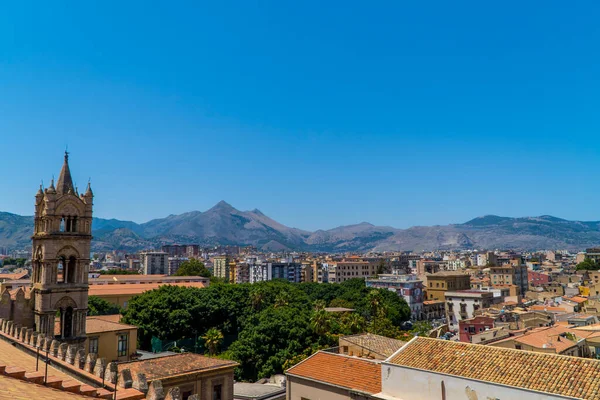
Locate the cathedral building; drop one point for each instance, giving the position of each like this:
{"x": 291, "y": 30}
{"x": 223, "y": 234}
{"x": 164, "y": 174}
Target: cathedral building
{"x": 55, "y": 304}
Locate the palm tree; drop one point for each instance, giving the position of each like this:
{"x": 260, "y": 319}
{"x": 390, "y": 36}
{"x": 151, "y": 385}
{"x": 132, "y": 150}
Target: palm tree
{"x": 282, "y": 299}
{"x": 355, "y": 323}
{"x": 319, "y": 305}
{"x": 320, "y": 322}
{"x": 375, "y": 302}
{"x": 212, "y": 339}
{"x": 257, "y": 297}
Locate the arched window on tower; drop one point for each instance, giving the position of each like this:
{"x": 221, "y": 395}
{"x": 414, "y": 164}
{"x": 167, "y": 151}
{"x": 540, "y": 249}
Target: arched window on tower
{"x": 66, "y": 322}
{"x": 61, "y": 270}
{"x": 71, "y": 272}
{"x": 74, "y": 224}
{"x": 62, "y": 224}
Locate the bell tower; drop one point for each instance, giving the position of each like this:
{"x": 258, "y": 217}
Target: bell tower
{"x": 61, "y": 255}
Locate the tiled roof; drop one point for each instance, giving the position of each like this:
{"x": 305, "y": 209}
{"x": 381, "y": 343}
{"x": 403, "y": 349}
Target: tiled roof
{"x": 99, "y": 324}
{"x": 178, "y": 364}
{"x": 548, "y": 308}
{"x": 13, "y": 276}
{"x": 548, "y": 373}
{"x": 548, "y": 338}
{"x": 339, "y": 370}
{"x": 377, "y": 344}
{"x": 134, "y": 288}
{"x": 576, "y": 299}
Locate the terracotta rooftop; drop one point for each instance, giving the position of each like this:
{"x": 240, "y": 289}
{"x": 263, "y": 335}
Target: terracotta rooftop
{"x": 99, "y": 324}
{"x": 13, "y": 276}
{"x": 576, "y": 299}
{"x": 547, "y": 373}
{"x": 548, "y": 338}
{"x": 134, "y": 288}
{"x": 339, "y": 370}
{"x": 548, "y": 308}
{"x": 178, "y": 364}
{"x": 382, "y": 345}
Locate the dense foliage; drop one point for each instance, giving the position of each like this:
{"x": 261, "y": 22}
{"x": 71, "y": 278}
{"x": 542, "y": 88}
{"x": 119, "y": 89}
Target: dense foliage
{"x": 19, "y": 262}
{"x": 588, "y": 265}
{"x": 99, "y": 306}
{"x": 119, "y": 272}
{"x": 192, "y": 267}
{"x": 265, "y": 326}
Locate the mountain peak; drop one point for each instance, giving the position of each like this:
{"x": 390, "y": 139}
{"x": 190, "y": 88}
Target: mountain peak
{"x": 486, "y": 220}
{"x": 222, "y": 206}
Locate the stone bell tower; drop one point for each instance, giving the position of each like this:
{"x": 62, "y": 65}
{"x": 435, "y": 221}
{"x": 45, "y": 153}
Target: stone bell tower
{"x": 61, "y": 257}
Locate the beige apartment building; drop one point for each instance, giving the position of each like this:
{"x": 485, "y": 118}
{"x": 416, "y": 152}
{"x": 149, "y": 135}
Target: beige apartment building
{"x": 510, "y": 275}
{"x": 341, "y": 271}
{"x": 441, "y": 282}
{"x": 221, "y": 267}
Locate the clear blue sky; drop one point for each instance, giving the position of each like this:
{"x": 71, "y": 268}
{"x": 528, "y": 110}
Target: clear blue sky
{"x": 318, "y": 113}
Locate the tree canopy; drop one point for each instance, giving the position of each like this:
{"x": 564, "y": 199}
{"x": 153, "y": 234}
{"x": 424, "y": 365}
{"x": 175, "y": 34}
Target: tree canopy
{"x": 265, "y": 326}
{"x": 117, "y": 271}
{"x": 588, "y": 264}
{"x": 192, "y": 267}
{"x": 99, "y": 306}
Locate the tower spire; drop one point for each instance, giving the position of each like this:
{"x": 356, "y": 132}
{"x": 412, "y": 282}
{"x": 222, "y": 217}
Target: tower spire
{"x": 65, "y": 182}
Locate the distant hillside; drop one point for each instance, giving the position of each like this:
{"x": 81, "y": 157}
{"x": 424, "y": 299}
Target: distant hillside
{"x": 223, "y": 224}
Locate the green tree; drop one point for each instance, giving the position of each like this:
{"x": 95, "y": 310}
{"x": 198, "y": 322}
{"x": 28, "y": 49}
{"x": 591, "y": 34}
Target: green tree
{"x": 192, "y": 267}
{"x": 354, "y": 323}
{"x": 421, "y": 328}
{"x": 119, "y": 272}
{"x": 99, "y": 306}
{"x": 588, "y": 264}
{"x": 212, "y": 340}
{"x": 320, "y": 322}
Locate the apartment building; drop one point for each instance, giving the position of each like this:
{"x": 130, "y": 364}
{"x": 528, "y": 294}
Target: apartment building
{"x": 175, "y": 263}
{"x": 462, "y": 304}
{"x": 341, "y": 271}
{"x": 510, "y": 275}
{"x": 440, "y": 282}
{"x": 154, "y": 262}
{"x": 221, "y": 267}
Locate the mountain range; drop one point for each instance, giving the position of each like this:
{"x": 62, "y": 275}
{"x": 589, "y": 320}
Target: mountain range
{"x": 225, "y": 225}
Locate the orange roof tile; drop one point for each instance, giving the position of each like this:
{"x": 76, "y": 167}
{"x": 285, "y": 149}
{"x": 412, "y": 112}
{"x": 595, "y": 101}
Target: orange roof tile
{"x": 571, "y": 377}
{"x": 339, "y": 370}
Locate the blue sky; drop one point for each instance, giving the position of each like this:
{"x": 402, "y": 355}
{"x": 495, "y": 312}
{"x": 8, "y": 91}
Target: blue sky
{"x": 318, "y": 113}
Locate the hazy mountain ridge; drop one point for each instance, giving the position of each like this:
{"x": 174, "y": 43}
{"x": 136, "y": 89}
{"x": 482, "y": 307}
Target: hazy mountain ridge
{"x": 224, "y": 224}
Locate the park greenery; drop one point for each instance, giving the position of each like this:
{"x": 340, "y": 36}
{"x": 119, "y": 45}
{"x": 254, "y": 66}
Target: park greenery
{"x": 266, "y": 326}
{"x": 16, "y": 262}
{"x": 118, "y": 271}
{"x": 99, "y": 306}
{"x": 192, "y": 267}
{"x": 588, "y": 265}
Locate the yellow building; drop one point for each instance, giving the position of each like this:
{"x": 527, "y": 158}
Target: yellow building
{"x": 110, "y": 339}
{"x": 440, "y": 282}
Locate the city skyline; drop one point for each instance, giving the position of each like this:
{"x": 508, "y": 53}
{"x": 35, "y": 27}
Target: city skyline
{"x": 421, "y": 117}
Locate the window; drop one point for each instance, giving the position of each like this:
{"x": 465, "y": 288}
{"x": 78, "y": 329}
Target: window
{"x": 518, "y": 347}
{"x": 122, "y": 346}
{"x": 94, "y": 345}
{"x": 217, "y": 392}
